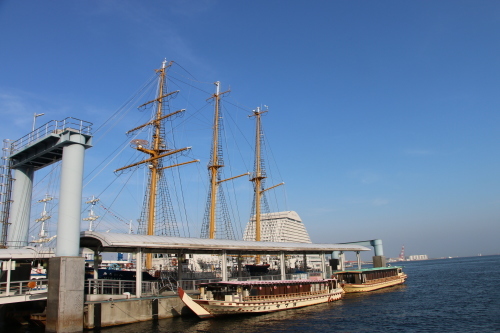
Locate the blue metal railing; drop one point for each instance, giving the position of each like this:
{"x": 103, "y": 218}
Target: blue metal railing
{"x": 52, "y": 127}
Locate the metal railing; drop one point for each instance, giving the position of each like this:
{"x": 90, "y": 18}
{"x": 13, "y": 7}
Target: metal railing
{"x": 52, "y": 127}
{"x": 17, "y": 288}
{"x": 119, "y": 287}
{"x": 5, "y": 190}
{"x": 193, "y": 284}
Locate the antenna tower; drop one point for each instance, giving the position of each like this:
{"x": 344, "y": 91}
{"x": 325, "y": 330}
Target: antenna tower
{"x": 402, "y": 254}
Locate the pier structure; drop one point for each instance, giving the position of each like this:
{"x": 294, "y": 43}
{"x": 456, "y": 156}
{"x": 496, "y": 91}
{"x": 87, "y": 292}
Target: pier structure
{"x": 378, "y": 258}
{"x": 54, "y": 141}
{"x": 116, "y": 302}
{"x": 64, "y": 140}
{"x": 15, "y": 285}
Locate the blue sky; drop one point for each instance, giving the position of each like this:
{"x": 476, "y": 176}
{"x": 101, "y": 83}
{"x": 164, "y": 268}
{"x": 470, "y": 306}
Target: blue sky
{"x": 383, "y": 115}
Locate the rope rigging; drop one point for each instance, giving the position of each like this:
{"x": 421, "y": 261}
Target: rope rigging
{"x": 173, "y": 216}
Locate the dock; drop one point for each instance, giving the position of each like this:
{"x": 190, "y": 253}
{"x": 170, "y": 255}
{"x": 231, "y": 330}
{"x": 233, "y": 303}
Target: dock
{"x": 107, "y": 302}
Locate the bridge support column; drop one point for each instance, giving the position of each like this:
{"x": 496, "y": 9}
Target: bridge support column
{"x": 18, "y": 232}
{"x": 65, "y": 296}
{"x": 379, "y": 261}
{"x": 378, "y": 258}
{"x": 377, "y": 247}
{"x": 70, "y": 198}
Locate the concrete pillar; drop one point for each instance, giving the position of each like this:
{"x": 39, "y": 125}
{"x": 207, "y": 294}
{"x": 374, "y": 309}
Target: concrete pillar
{"x": 379, "y": 261}
{"x": 138, "y": 273}
{"x": 342, "y": 260}
{"x": 20, "y": 209}
{"x": 323, "y": 265}
{"x": 358, "y": 259}
{"x": 282, "y": 265}
{"x": 65, "y": 295}
{"x": 224, "y": 265}
{"x": 377, "y": 247}
{"x": 304, "y": 260}
{"x": 70, "y": 199}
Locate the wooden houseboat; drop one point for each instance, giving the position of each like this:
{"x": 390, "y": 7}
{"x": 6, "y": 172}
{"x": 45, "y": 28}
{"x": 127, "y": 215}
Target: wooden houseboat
{"x": 236, "y": 297}
{"x": 370, "y": 279}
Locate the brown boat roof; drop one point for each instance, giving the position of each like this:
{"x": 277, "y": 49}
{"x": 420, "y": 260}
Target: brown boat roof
{"x": 267, "y": 282}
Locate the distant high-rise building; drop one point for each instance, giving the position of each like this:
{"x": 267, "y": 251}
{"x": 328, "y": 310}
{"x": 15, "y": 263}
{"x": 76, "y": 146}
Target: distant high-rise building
{"x": 418, "y": 257}
{"x": 279, "y": 227}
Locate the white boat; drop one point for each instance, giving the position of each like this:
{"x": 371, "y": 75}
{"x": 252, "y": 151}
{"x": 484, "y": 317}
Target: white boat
{"x": 236, "y": 297}
{"x": 369, "y": 279}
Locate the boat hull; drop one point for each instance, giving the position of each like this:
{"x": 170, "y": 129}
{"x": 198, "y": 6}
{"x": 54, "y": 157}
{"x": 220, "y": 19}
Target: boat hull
{"x": 373, "y": 285}
{"x": 218, "y": 308}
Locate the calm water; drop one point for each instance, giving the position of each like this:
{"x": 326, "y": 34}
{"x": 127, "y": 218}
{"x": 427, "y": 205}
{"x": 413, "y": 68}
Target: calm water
{"x": 449, "y": 295}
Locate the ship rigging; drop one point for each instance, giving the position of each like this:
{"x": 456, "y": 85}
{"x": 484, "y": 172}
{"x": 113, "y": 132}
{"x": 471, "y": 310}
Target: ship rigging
{"x": 156, "y": 198}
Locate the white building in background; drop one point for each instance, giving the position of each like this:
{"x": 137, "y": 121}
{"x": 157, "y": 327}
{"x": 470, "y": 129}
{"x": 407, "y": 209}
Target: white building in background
{"x": 282, "y": 227}
{"x": 278, "y": 227}
{"x": 418, "y": 257}
{"x": 275, "y": 227}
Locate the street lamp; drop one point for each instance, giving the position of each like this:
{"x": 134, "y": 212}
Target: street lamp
{"x": 36, "y": 115}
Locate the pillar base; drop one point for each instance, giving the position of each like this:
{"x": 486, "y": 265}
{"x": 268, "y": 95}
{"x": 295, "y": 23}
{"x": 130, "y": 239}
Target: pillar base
{"x": 65, "y": 295}
{"x": 379, "y": 261}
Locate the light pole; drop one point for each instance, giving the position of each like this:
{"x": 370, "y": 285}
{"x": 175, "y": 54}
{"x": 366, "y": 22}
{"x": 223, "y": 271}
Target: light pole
{"x": 35, "y": 115}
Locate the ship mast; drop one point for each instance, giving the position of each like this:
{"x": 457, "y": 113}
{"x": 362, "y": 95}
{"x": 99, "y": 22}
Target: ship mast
{"x": 259, "y": 174}
{"x": 92, "y": 217}
{"x": 156, "y": 150}
{"x": 215, "y": 164}
{"x": 43, "y": 234}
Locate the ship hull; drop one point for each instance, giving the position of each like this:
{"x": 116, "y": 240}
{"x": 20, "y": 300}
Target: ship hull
{"x": 216, "y": 308}
{"x": 373, "y": 285}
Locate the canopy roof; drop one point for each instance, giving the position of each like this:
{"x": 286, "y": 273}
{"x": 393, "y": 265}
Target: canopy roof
{"x": 113, "y": 242}
{"x": 26, "y": 253}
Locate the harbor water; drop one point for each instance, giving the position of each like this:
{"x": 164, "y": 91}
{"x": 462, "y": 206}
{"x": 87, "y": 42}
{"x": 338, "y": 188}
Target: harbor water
{"x": 446, "y": 295}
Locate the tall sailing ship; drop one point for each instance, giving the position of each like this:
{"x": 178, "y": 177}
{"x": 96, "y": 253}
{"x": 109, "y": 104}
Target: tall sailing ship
{"x": 223, "y": 297}
{"x": 156, "y": 202}
{"x": 236, "y": 297}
